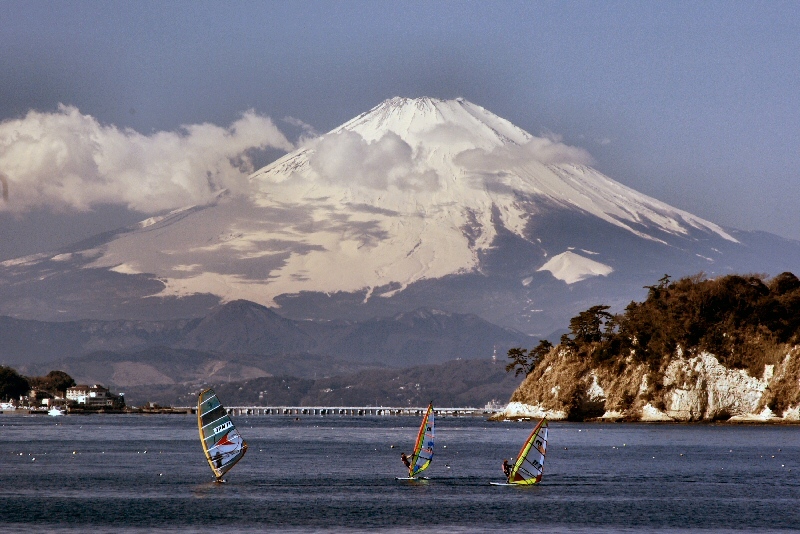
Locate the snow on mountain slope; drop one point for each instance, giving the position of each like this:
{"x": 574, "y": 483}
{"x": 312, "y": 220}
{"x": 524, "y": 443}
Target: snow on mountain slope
{"x": 571, "y": 267}
{"x": 413, "y": 190}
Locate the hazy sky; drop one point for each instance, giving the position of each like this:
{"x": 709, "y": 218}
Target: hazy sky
{"x": 694, "y": 103}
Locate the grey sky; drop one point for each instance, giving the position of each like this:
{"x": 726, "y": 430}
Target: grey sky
{"x": 694, "y": 103}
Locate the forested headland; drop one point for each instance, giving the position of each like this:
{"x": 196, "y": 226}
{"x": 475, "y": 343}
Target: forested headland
{"x": 622, "y": 363}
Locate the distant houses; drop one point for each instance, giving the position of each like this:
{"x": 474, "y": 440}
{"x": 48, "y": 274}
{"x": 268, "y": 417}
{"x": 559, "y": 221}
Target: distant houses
{"x": 37, "y": 398}
{"x": 78, "y": 398}
{"x": 94, "y": 396}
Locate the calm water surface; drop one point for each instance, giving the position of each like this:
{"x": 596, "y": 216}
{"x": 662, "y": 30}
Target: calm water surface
{"x": 127, "y": 473}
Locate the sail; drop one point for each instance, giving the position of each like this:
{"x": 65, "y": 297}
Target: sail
{"x": 530, "y": 461}
{"x": 423, "y": 449}
{"x": 222, "y": 443}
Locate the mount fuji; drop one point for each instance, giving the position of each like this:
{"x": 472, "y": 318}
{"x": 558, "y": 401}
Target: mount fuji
{"x": 417, "y": 203}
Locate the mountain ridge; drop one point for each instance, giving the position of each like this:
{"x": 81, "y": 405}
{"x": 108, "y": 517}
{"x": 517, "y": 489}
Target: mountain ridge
{"x": 415, "y": 203}
{"x": 243, "y": 328}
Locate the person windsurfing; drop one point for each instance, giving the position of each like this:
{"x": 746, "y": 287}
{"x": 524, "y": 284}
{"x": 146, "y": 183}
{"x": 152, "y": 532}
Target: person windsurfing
{"x": 506, "y": 468}
{"x": 405, "y": 460}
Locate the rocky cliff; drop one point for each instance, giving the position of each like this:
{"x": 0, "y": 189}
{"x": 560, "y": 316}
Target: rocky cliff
{"x": 686, "y": 388}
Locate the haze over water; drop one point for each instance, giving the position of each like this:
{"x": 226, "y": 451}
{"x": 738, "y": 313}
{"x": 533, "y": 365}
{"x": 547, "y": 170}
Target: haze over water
{"x": 327, "y": 474}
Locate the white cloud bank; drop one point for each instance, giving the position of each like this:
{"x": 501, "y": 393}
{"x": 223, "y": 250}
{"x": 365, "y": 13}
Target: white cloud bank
{"x": 69, "y": 161}
{"x": 347, "y": 158}
{"x": 547, "y": 150}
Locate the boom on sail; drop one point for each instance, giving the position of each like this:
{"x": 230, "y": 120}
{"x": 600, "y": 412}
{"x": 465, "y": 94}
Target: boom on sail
{"x": 222, "y": 443}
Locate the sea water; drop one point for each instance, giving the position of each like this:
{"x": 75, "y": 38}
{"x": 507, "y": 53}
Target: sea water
{"x": 135, "y": 473}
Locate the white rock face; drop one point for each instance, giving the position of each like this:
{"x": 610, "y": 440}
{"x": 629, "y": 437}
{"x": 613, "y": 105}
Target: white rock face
{"x": 699, "y": 388}
{"x": 652, "y": 414}
{"x": 517, "y": 410}
{"x": 764, "y": 416}
{"x": 703, "y": 389}
{"x": 595, "y": 392}
{"x": 792, "y": 414}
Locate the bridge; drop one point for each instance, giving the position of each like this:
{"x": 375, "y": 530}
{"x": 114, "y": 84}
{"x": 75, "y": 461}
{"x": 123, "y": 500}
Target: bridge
{"x": 352, "y": 411}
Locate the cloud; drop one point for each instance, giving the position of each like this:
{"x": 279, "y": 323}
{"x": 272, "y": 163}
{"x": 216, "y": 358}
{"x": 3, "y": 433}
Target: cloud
{"x": 346, "y": 158}
{"x": 547, "y": 150}
{"x": 69, "y": 161}
{"x": 308, "y": 134}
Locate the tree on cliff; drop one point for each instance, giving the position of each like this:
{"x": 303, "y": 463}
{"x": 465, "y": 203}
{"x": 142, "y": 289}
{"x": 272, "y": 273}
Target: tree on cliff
{"x": 524, "y": 361}
{"x": 12, "y": 384}
{"x": 739, "y": 319}
{"x": 736, "y": 318}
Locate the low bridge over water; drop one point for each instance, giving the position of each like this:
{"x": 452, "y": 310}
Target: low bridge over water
{"x": 353, "y": 410}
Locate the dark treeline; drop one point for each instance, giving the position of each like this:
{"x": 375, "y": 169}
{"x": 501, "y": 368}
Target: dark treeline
{"x": 745, "y": 321}
{"x": 13, "y": 384}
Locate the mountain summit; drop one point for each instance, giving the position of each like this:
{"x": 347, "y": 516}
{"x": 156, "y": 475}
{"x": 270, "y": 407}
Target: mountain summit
{"x": 418, "y": 202}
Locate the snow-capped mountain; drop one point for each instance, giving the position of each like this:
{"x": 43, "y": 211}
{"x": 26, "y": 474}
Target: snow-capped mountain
{"x": 418, "y": 202}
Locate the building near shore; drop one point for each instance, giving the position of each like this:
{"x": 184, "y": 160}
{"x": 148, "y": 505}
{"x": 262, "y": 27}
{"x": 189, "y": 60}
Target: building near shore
{"x": 94, "y": 396}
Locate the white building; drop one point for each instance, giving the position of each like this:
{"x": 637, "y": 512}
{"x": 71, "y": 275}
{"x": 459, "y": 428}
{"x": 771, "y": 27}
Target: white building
{"x": 94, "y": 395}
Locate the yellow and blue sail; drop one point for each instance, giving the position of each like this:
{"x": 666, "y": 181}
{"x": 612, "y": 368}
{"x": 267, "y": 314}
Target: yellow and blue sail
{"x": 529, "y": 466}
{"x": 222, "y": 443}
{"x": 423, "y": 449}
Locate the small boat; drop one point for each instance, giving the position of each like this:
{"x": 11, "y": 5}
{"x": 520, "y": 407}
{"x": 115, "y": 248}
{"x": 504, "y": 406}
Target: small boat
{"x": 56, "y": 411}
{"x": 529, "y": 466}
{"x": 222, "y": 443}
{"x": 423, "y": 448}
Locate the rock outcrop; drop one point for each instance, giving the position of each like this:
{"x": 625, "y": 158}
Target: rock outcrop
{"x": 695, "y": 388}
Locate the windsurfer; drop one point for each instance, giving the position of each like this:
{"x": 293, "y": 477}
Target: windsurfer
{"x": 506, "y": 468}
{"x": 405, "y": 459}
